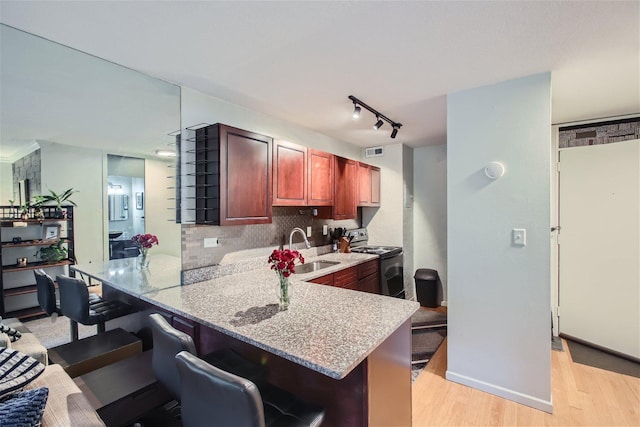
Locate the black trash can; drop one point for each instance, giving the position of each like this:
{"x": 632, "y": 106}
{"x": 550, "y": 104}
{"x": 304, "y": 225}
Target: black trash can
{"x": 426, "y": 287}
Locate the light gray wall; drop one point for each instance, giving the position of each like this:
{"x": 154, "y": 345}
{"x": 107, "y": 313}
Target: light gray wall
{"x": 385, "y": 224}
{"x": 64, "y": 166}
{"x": 160, "y": 220}
{"x": 499, "y": 313}
{"x": 391, "y": 224}
{"x": 430, "y": 212}
{"x": 6, "y": 183}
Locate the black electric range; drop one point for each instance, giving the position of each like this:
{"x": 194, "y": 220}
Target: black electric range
{"x": 391, "y": 262}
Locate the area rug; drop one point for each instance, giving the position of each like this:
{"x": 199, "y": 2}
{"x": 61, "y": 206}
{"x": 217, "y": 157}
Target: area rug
{"x": 424, "y": 344}
{"x": 54, "y": 332}
{"x": 587, "y": 355}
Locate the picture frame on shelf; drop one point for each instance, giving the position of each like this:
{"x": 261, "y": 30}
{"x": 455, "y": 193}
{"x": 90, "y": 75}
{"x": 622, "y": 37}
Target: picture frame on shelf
{"x": 139, "y": 200}
{"x": 51, "y": 232}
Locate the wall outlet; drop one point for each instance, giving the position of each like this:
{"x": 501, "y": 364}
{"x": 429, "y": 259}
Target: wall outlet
{"x": 211, "y": 242}
{"x": 309, "y": 231}
{"x": 325, "y": 230}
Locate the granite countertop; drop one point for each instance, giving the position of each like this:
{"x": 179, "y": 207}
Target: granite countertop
{"x": 125, "y": 274}
{"x": 327, "y": 329}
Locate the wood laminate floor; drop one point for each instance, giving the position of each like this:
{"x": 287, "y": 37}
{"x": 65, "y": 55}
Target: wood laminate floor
{"x": 582, "y": 396}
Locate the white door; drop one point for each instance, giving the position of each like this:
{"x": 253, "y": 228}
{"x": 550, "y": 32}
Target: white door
{"x": 600, "y": 245}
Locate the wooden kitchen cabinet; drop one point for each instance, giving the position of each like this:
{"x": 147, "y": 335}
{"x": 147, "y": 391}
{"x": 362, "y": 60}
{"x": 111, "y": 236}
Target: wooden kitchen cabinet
{"x": 363, "y": 277}
{"x": 369, "y": 277}
{"x": 368, "y": 185}
{"x": 289, "y": 174}
{"x": 323, "y": 280}
{"x": 233, "y": 176}
{"x": 320, "y": 173}
{"x": 345, "y": 189}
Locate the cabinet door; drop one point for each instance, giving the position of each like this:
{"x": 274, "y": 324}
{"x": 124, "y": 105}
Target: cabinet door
{"x": 346, "y": 185}
{"x": 364, "y": 184}
{"x": 369, "y": 284}
{"x": 347, "y": 278}
{"x": 290, "y": 174}
{"x": 320, "y": 178}
{"x": 245, "y": 177}
{"x": 324, "y": 280}
{"x": 375, "y": 186}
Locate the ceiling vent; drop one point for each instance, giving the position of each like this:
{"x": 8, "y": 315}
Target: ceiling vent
{"x": 374, "y": 152}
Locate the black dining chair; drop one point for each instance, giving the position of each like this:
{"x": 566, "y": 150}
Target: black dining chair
{"x": 46, "y": 291}
{"x": 210, "y": 393}
{"x": 74, "y": 304}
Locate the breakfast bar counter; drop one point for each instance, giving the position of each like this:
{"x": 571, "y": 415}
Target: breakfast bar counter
{"x": 347, "y": 350}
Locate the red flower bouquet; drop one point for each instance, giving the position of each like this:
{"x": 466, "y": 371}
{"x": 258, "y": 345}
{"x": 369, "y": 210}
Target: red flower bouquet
{"x": 284, "y": 261}
{"x": 144, "y": 241}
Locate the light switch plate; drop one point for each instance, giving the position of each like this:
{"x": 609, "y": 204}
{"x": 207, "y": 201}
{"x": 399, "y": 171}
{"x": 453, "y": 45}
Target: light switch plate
{"x": 519, "y": 236}
{"x": 325, "y": 230}
{"x": 309, "y": 231}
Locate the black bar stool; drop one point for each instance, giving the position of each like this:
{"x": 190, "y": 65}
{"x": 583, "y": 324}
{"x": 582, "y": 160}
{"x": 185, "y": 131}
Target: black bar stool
{"x": 168, "y": 341}
{"x": 209, "y": 393}
{"x": 74, "y": 304}
{"x": 46, "y": 289}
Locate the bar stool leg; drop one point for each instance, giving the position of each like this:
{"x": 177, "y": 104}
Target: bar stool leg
{"x": 74, "y": 330}
{"x": 101, "y": 327}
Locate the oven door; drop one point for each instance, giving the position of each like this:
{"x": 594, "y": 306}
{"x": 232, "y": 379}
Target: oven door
{"x": 392, "y": 276}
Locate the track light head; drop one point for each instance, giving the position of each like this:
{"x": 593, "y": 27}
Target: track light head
{"x": 378, "y": 124}
{"x": 356, "y": 111}
{"x": 394, "y": 132}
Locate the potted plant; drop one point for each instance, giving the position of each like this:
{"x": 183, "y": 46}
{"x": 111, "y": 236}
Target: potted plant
{"x": 59, "y": 199}
{"x": 53, "y": 253}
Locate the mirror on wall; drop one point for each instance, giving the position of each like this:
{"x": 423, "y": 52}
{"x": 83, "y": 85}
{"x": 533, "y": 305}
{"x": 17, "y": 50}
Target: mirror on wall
{"x": 77, "y": 109}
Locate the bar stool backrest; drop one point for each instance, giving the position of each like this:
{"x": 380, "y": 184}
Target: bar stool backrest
{"x": 167, "y": 342}
{"x": 46, "y": 292}
{"x": 209, "y": 394}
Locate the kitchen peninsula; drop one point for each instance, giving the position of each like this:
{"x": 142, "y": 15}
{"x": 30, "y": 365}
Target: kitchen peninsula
{"x": 349, "y": 351}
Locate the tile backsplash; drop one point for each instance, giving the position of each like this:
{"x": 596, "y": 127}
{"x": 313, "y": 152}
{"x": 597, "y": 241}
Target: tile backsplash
{"x": 240, "y": 242}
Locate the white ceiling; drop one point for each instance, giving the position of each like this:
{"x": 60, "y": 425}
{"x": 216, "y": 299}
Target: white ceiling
{"x": 300, "y": 60}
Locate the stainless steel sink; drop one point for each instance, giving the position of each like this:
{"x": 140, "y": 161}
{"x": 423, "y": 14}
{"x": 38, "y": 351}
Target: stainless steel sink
{"x": 314, "y": 266}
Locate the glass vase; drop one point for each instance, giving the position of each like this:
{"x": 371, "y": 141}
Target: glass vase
{"x": 143, "y": 259}
{"x": 284, "y": 292}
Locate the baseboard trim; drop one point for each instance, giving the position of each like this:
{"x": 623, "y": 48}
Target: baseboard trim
{"x": 524, "y": 399}
{"x": 601, "y": 348}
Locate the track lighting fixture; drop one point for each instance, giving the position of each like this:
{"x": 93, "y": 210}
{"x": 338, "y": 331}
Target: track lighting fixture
{"x": 380, "y": 118}
{"x": 394, "y": 132}
{"x": 356, "y": 111}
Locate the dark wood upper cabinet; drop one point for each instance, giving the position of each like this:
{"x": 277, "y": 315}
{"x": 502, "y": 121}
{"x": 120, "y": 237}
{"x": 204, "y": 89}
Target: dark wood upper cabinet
{"x": 233, "y": 176}
{"x": 289, "y": 174}
{"x": 345, "y": 189}
{"x": 368, "y": 185}
{"x": 320, "y": 178}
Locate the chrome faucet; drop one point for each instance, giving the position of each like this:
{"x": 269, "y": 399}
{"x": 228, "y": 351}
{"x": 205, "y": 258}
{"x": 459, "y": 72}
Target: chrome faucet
{"x": 304, "y": 235}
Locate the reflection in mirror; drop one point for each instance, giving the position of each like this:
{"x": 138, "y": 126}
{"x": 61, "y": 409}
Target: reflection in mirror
{"x": 118, "y": 208}
{"x": 68, "y": 110}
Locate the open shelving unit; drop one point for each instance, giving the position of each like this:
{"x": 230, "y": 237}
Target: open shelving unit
{"x": 22, "y": 237}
